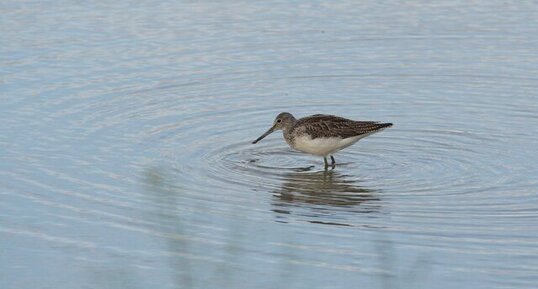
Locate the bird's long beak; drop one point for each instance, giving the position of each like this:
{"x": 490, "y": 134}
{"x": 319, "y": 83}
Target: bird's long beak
{"x": 268, "y": 132}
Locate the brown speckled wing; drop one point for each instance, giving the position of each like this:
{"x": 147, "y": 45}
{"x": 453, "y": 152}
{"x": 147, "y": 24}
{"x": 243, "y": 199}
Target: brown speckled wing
{"x": 321, "y": 125}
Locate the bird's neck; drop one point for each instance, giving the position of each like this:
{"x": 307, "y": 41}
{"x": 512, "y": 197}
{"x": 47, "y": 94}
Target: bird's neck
{"x": 287, "y": 131}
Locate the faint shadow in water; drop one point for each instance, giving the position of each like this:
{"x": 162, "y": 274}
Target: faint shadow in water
{"x": 319, "y": 196}
{"x": 323, "y": 194}
{"x": 164, "y": 193}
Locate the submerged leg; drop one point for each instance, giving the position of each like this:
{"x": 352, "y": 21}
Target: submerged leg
{"x": 326, "y": 163}
{"x": 333, "y": 164}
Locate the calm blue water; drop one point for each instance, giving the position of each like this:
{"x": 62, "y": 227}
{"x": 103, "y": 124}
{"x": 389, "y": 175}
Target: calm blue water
{"x": 126, "y": 158}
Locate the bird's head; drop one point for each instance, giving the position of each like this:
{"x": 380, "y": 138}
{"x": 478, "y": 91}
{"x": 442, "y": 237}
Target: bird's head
{"x": 283, "y": 121}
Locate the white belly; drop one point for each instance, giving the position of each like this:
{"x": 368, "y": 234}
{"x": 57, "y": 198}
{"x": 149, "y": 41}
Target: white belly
{"x": 323, "y": 146}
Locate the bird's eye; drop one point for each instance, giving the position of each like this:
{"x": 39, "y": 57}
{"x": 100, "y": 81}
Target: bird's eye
{"x": 278, "y": 120}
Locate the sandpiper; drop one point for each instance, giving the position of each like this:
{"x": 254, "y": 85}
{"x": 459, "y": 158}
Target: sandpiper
{"x": 322, "y": 134}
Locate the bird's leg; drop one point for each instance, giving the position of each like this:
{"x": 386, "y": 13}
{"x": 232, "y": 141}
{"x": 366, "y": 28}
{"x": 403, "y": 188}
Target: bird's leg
{"x": 326, "y": 163}
{"x": 333, "y": 164}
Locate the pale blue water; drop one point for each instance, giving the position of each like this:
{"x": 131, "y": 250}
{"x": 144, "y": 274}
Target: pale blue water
{"x": 125, "y": 155}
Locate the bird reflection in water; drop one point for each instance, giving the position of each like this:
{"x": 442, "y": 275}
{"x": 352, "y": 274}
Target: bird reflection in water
{"x": 322, "y": 197}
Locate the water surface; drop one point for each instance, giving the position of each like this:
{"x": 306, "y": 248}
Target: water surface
{"x": 126, "y": 158}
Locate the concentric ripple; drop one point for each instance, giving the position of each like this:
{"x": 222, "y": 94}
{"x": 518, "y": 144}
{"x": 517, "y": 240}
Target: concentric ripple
{"x": 410, "y": 160}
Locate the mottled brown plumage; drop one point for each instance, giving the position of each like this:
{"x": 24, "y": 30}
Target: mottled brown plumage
{"x": 324, "y": 125}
